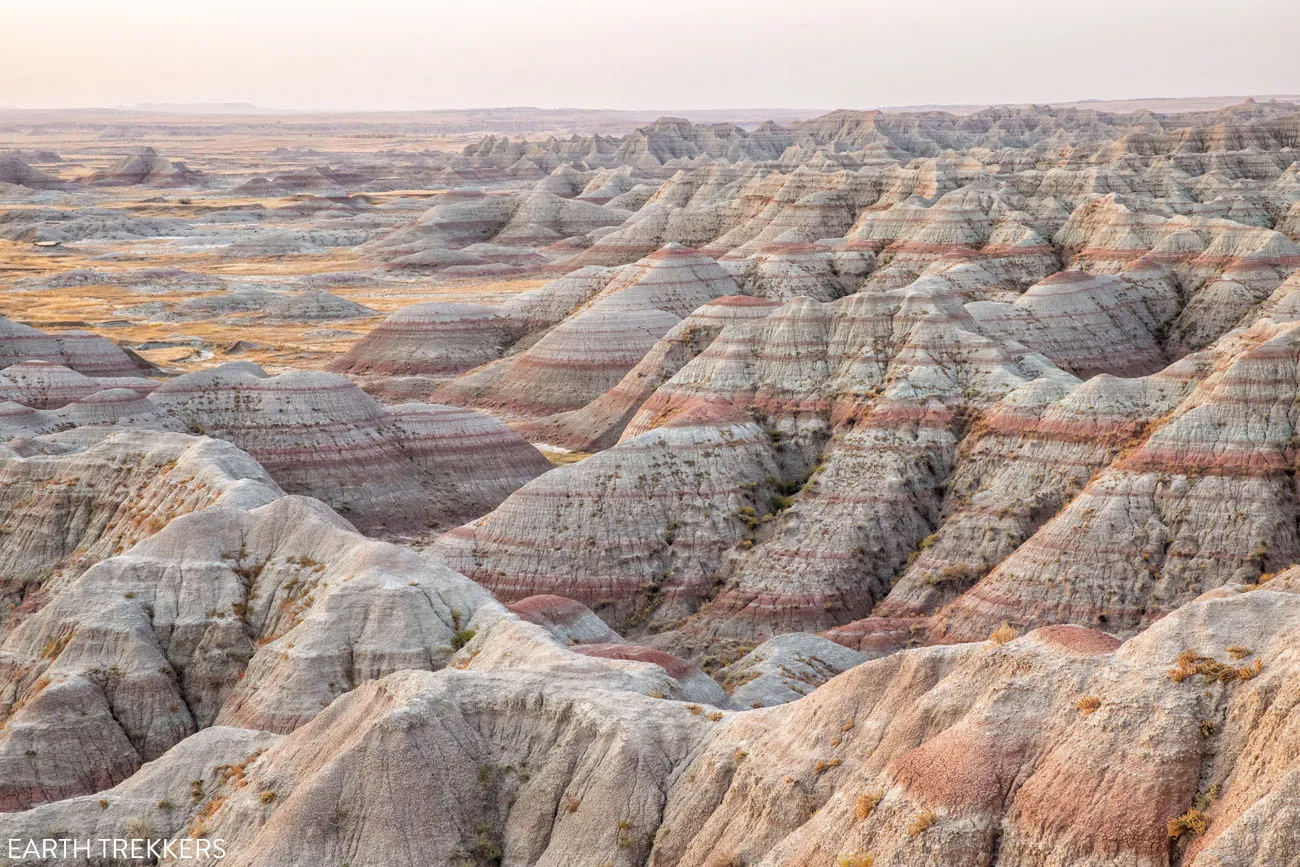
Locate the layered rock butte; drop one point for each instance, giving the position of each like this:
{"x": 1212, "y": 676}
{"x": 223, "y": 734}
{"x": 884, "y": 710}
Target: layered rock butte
{"x": 936, "y": 505}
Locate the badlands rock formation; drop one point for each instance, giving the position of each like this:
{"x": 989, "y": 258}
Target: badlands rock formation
{"x": 402, "y": 470}
{"x": 146, "y": 168}
{"x": 80, "y": 351}
{"x": 925, "y": 495}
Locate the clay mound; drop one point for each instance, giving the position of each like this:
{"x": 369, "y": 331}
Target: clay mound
{"x": 1088, "y": 324}
{"x": 262, "y": 305}
{"x": 44, "y": 384}
{"x": 785, "y": 668}
{"x": 311, "y": 306}
{"x": 472, "y": 229}
{"x": 419, "y": 346}
{"x": 789, "y": 270}
{"x": 629, "y": 548}
{"x": 544, "y": 217}
{"x": 695, "y": 685}
{"x": 147, "y": 168}
{"x": 1224, "y": 268}
{"x": 402, "y": 471}
{"x": 600, "y": 423}
{"x": 1030, "y": 457}
{"x": 568, "y": 620}
{"x": 81, "y": 351}
{"x": 14, "y": 170}
{"x": 457, "y": 220}
{"x": 475, "y": 460}
{"x": 321, "y": 180}
{"x": 434, "y": 339}
{"x": 85, "y": 422}
{"x": 692, "y": 209}
{"x": 588, "y": 353}
{"x": 572, "y": 364}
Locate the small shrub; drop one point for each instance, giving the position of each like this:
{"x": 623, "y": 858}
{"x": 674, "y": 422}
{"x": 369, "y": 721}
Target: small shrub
{"x": 267, "y": 798}
{"x": 1088, "y": 704}
{"x": 138, "y": 829}
{"x": 855, "y": 859}
{"x": 165, "y": 804}
{"x": 695, "y": 709}
{"x": 1191, "y": 663}
{"x": 821, "y": 766}
{"x": 867, "y": 803}
{"x": 1004, "y": 633}
{"x": 1205, "y": 799}
{"x": 1249, "y": 672}
{"x": 1236, "y": 651}
{"x": 1191, "y": 822}
{"x": 923, "y": 822}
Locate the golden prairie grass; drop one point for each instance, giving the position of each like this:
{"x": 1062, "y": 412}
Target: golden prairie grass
{"x": 867, "y": 803}
{"x": 922, "y": 822}
{"x": 1004, "y": 633}
{"x": 1192, "y": 822}
{"x": 1190, "y": 664}
{"x": 273, "y": 344}
{"x": 821, "y": 766}
{"x": 855, "y": 859}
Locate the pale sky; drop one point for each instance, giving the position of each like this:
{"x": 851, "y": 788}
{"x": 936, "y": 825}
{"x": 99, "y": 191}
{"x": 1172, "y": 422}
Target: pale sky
{"x": 652, "y": 54}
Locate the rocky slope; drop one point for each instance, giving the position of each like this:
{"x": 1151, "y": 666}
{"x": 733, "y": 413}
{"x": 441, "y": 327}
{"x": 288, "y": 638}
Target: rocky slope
{"x": 961, "y": 753}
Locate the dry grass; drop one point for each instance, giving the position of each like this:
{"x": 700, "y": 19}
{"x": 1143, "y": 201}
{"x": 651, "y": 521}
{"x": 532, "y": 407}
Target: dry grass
{"x": 1190, "y": 663}
{"x": 1236, "y": 651}
{"x": 561, "y": 458}
{"x": 855, "y": 859}
{"x": 1249, "y": 672}
{"x": 277, "y": 345}
{"x": 867, "y": 803}
{"x": 923, "y": 822}
{"x": 1192, "y": 822}
{"x": 138, "y": 829}
{"x": 1004, "y": 633}
{"x": 821, "y": 766}
{"x": 1088, "y": 704}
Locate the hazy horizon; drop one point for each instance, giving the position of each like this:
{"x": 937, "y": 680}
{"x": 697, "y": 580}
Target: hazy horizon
{"x": 403, "y": 55}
